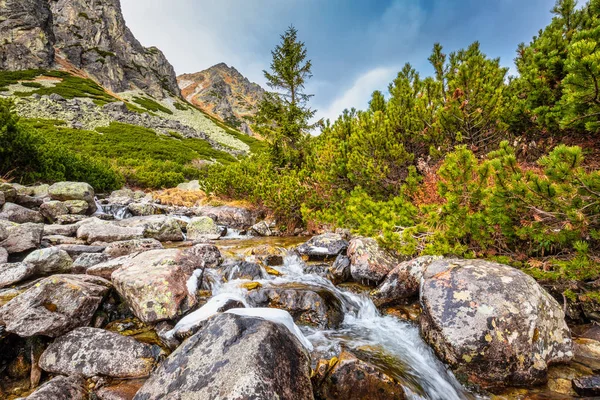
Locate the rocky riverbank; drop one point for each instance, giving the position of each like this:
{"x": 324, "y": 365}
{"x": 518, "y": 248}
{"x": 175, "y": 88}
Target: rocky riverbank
{"x": 127, "y": 298}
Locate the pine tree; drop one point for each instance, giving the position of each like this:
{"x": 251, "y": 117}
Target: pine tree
{"x": 284, "y": 117}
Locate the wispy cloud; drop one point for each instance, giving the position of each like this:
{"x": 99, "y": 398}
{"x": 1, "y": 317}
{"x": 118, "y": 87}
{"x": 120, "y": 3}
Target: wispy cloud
{"x": 359, "y": 94}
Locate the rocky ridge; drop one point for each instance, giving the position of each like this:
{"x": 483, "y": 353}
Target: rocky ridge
{"x": 224, "y": 93}
{"x": 91, "y": 41}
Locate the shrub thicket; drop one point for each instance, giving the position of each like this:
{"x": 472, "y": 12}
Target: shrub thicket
{"x": 28, "y": 157}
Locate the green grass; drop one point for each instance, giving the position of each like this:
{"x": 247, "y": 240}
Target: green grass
{"x": 256, "y": 146}
{"x": 69, "y": 87}
{"x": 8, "y": 78}
{"x": 151, "y": 105}
{"x": 145, "y": 158}
{"x": 36, "y": 85}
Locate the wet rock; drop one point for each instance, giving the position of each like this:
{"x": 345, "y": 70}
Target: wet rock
{"x": 154, "y": 283}
{"x": 118, "y": 249}
{"x": 50, "y": 261}
{"x": 107, "y": 232}
{"x": 2, "y": 199}
{"x": 19, "y": 214}
{"x": 349, "y": 378}
{"x": 22, "y": 237}
{"x": 340, "y": 270}
{"x": 54, "y": 306}
{"x": 3, "y": 255}
{"x": 61, "y": 388}
{"x": 77, "y": 207}
{"x": 261, "y": 229}
{"x": 326, "y": 246}
{"x": 160, "y": 227}
{"x": 267, "y": 254}
{"x": 75, "y": 250}
{"x": 588, "y": 386}
{"x": 204, "y": 255}
{"x": 234, "y": 357}
{"x": 308, "y": 305}
{"x": 143, "y": 209}
{"x": 242, "y": 270}
{"x": 493, "y": 324}
{"x": 14, "y": 273}
{"x": 122, "y": 390}
{"x": 369, "y": 263}
{"x": 196, "y": 320}
{"x": 89, "y": 352}
{"x": 402, "y": 282}
{"x": 203, "y": 228}
{"x": 53, "y": 209}
{"x": 232, "y": 217}
{"x": 64, "y": 191}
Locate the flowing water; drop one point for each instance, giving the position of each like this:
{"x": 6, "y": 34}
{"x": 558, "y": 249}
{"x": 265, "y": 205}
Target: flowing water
{"x": 390, "y": 343}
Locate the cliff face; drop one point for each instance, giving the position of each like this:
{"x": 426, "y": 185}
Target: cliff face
{"x": 90, "y": 35}
{"x": 223, "y": 92}
{"x": 26, "y": 34}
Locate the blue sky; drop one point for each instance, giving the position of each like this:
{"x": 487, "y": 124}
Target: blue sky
{"x": 356, "y": 46}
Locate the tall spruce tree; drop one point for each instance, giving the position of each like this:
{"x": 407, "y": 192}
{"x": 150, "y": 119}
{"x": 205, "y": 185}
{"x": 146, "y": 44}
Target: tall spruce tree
{"x": 283, "y": 117}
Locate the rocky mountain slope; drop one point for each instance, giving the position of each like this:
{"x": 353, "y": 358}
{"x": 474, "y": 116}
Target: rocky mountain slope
{"x": 224, "y": 93}
{"x": 70, "y": 60}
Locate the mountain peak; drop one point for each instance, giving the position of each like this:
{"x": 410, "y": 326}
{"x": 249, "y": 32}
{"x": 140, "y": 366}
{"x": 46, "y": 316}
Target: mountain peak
{"x": 223, "y": 92}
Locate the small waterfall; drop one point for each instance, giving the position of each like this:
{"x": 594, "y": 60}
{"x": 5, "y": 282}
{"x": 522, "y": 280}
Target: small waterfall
{"x": 118, "y": 211}
{"x": 398, "y": 347}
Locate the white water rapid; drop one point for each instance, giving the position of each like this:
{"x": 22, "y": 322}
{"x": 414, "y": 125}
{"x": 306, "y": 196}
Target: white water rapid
{"x": 390, "y": 343}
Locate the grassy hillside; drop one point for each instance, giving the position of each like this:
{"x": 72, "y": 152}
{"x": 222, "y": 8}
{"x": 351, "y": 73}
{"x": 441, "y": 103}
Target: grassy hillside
{"x": 143, "y": 157}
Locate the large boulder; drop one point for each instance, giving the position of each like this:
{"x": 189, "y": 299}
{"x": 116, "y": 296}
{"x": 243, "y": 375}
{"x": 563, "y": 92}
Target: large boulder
{"x": 493, "y": 324}
{"x": 51, "y": 260}
{"x": 61, "y": 388}
{"x": 350, "y": 378}
{"x": 54, "y": 306}
{"x": 3, "y": 255}
{"x": 160, "y": 227}
{"x": 326, "y": 246}
{"x": 64, "y": 191}
{"x": 233, "y": 217}
{"x": 118, "y": 249}
{"x": 15, "y": 273}
{"x": 155, "y": 283}
{"x": 369, "y": 263}
{"x": 89, "y": 352}
{"x": 200, "y": 228}
{"x": 340, "y": 271}
{"x": 107, "y": 232}
{"x": 309, "y": 305}
{"x": 234, "y": 357}
{"x": 19, "y": 214}
{"x": 402, "y": 282}
{"x": 23, "y": 237}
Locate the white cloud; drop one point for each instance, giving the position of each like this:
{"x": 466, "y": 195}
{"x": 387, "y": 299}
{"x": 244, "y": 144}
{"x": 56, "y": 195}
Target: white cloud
{"x": 359, "y": 94}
